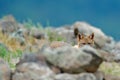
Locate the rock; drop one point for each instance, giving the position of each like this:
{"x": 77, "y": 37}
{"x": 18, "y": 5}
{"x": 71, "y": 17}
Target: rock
{"x": 100, "y": 38}
{"x": 5, "y": 72}
{"x": 86, "y": 76}
{"x": 111, "y": 51}
{"x": 117, "y": 45}
{"x": 85, "y": 59}
{"x": 82, "y": 76}
{"x": 99, "y": 75}
{"x": 32, "y": 71}
{"x": 109, "y": 46}
{"x": 8, "y": 24}
{"x": 32, "y": 67}
{"x": 38, "y": 34}
{"x": 116, "y": 52}
{"x": 112, "y": 77}
{"x": 106, "y": 56}
{"x": 66, "y": 33}
{"x": 32, "y": 57}
{"x": 65, "y": 76}
{"x": 57, "y": 44}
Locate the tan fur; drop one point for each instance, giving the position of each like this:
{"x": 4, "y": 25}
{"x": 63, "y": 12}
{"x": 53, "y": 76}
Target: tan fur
{"x": 85, "y": 40}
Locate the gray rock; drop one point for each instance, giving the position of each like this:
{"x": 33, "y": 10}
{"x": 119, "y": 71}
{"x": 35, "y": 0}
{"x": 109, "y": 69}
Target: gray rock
{"x": 117, "y": 46}
{"x": 86, "y": 76}
{"x": 100, "y": 38}
{"x": 112, "y": 77}
{"x": 67, "y": 34}
{"x": 56, "y": 44}
{"x": 8, "y": 24}
{"x": 5, "y": 72}
{"x": 32, "y": 57}
{"x": 32, "y": 71}
{"x": 82, "y": 76}
{"x": 38, "y": 34}
{"x": 111, "y": 51}
{"x": 109, "y": 46}
{"x": 73, "y": 60}
{"x": 65, "y": 76}
{"x": 106, "y": 56}
{"x": 32, "y": 67}
{"x": 99, "y": 75}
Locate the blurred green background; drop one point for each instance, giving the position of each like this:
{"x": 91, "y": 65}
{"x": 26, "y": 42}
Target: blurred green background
{"x": 104, "y": 14}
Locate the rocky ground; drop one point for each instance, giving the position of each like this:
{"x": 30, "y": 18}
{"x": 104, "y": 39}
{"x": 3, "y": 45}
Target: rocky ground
{"x": 48, "y": 54}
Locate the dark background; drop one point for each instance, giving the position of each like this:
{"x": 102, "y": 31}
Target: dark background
{"x": 104, "y": 14}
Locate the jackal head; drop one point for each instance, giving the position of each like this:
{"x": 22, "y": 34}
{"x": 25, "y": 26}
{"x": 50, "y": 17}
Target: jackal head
{"x": 85, "y": 40}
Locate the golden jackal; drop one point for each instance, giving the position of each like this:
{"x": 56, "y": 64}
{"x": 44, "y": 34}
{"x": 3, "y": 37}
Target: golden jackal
{"x": 83, "y": 39}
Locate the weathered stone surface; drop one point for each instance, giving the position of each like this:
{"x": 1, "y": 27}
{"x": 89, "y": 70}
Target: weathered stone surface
{"x": 106, "y": 56}
{"x": 32, "y": 57}
{"x": 32, "y": 67}
{"x": 82, "y": 76}
{"x": 112, "y": 77}
{"x": 66, "y": 33}
{"x": 5, "y": 72}
{"x": 8, "y": 24}
{"x": 86, "y": 76}
{"x": 73, "y": 60}
{"x": 32, "y": 71}
{"x": 57, "y": 44}
{"x": 99, "y": 75}
{"x": 65, "y": 76}
{"x": 100, "y": 38}
{"x": 116, "y": 52}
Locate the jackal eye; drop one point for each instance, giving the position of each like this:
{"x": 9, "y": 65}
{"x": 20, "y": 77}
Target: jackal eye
{"x": 89, "y": 43}
{"x": 83, "y": 43}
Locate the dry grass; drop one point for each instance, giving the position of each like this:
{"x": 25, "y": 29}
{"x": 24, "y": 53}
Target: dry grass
{"x": 13, "y": 44}
{"x": 110, "y": 68}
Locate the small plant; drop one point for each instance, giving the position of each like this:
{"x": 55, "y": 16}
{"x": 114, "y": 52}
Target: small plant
{"x": 3, "y": 51}
{"x": 9, "y": 56}
{"x": 28, "y": 24}
{"x": 55, "y": 37}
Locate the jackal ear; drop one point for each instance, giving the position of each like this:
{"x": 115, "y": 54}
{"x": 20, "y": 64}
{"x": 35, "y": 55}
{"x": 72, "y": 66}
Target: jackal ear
{"x": 91, "y": 36}
{"x": 76, "y": 32}
{"x": 80, "y": 36}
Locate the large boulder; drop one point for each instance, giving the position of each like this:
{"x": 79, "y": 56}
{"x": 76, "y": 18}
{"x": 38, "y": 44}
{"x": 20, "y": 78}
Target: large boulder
{"x": 5, "y": 72}
{"x": 32, "y": 71}
{"x": 100, "y": 38}
{"x": 8, "y": 24}
{"x": 32, "y": 67}
{"x": 72, "y": 60}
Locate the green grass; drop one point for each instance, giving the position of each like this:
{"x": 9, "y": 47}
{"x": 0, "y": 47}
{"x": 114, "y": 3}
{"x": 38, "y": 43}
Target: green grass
{"x": 30, "y": 24}
{"x": 8, "y": 56}
{"x": 53, "y": 36}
